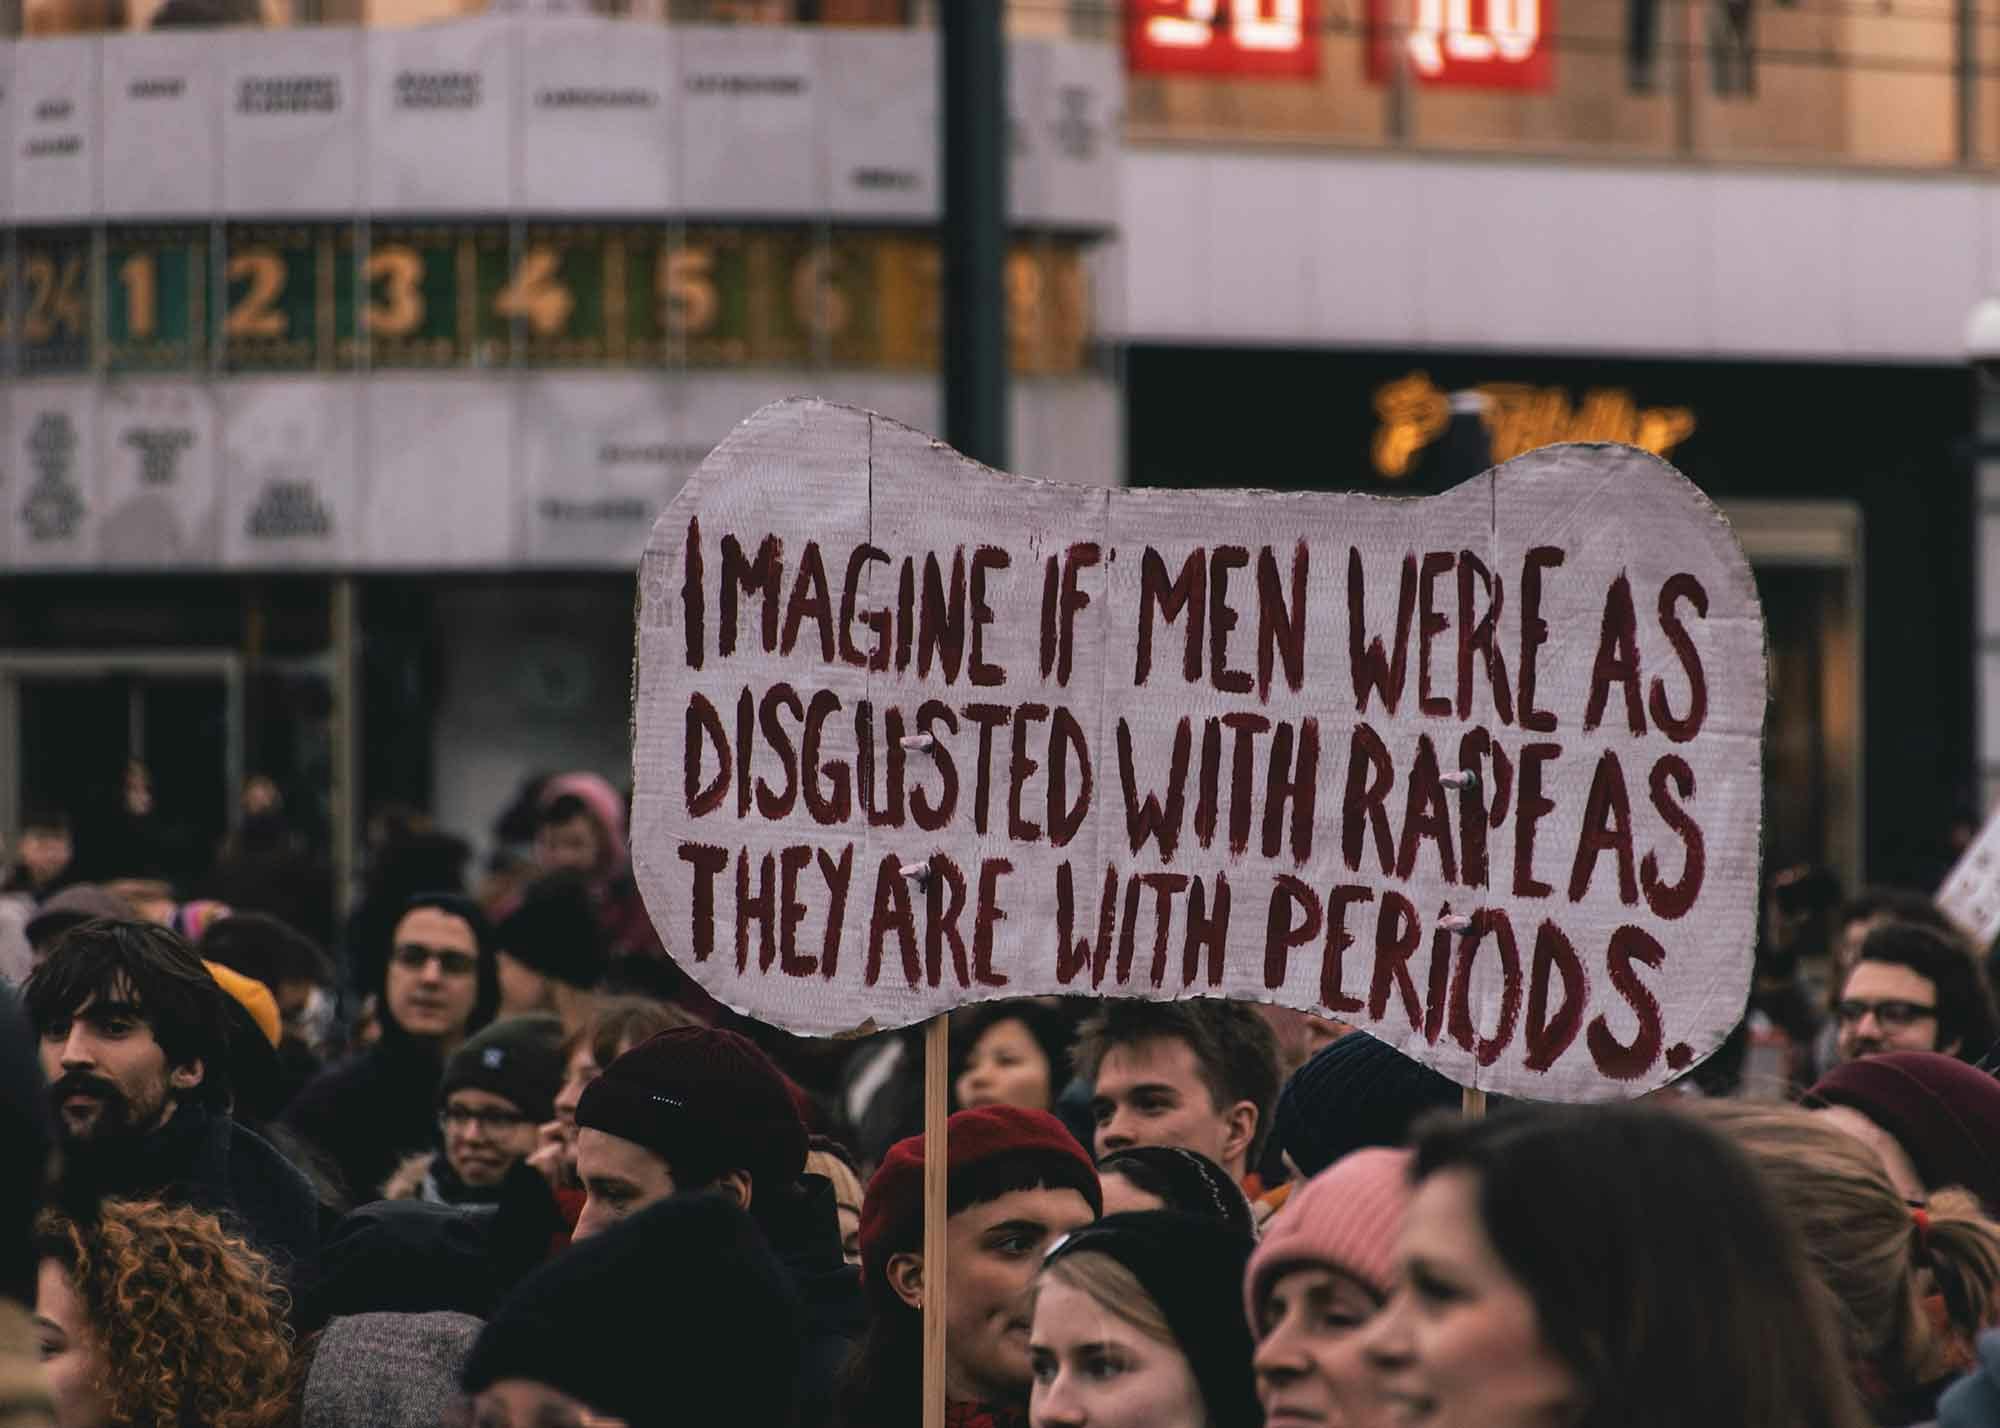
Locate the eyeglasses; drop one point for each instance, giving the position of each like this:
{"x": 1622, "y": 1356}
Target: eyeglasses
{"x": 412, "y": 957}
{"x": 499, "y": 1122}
{"x": 1892, "y": 1015}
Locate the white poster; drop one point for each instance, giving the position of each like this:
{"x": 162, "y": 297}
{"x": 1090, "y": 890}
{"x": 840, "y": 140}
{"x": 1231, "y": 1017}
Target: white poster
{"x": 55, "y": 139}
{"x": 52, "y": 498}
{"x": 291, "y": 472}
{"x": 163, "y": 125}
{"x": 597, "y": 118}
{"x": 440, "y": 117}
{"x": 601, "y": 454}
{"x": 159, "y": 462}
{"x": 440, "y": 461}
{"x": 292, "y": 121}
{"x": 750, "y": 136}
{"x": 879, "y": 113}
{"x": 1479, "y": 773}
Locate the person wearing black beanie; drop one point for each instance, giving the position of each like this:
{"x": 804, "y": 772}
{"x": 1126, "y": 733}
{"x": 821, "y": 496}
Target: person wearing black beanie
{"x": 1172, "y": 1177}
{"x": 552, "y": 952}
{"x": 1163, "y": 1291}
{"x": 1356, "y": 1093}
{"x": 572, "y": 1340}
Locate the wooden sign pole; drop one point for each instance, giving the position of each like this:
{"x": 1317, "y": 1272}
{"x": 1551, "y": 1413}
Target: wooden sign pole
{"x": 1472, "y": 1103}
{"x": 937, "y": 1106}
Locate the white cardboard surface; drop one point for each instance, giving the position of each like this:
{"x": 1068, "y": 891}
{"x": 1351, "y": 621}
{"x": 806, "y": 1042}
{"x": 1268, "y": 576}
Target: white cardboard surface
{"x": 1970, "y": 893}
{"x": 1584, "y": 975}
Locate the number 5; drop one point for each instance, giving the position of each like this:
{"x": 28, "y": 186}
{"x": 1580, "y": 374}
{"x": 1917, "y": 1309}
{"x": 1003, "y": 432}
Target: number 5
{"x": 686, "y": 287}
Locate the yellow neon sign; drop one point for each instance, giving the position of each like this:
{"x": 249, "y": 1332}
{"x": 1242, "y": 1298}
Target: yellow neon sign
{"x": 1519, "y": 418}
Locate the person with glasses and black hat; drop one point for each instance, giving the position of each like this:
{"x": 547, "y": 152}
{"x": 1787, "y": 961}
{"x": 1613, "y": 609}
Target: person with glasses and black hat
{"x": 497, "y": 1091}
{"x": 440, "y": 985}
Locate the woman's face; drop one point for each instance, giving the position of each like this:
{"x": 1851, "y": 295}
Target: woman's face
{"x": 1309, "y": 1363}
{"x": 992, "y": 1253}
{"x": 73, "y": 1360}
{"x": 1459, "y": 1345}
{"x": 1005, "y": 1068}
{"x": 1091, "y": 1367}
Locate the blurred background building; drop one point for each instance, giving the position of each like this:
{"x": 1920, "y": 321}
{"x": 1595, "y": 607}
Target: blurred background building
{"x": 354, "y": 344}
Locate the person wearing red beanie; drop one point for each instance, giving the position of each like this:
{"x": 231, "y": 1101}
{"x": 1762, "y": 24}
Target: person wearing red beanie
{"x": 697, "y": 1107}
{"x": 1932, "y": 1119}
{"x": 1017, "y": 1181}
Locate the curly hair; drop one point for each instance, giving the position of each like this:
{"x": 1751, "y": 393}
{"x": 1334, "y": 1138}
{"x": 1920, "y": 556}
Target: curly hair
{"x": 191, "y": 1318}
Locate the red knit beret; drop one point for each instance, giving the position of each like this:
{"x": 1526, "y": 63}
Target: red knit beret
{"x": 1034, "y": 1146}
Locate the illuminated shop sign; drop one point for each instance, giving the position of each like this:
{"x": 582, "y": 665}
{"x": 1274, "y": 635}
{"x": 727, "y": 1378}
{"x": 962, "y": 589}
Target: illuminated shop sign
{"x": 1465, "y": 44}
{"x": 1257, "y": 39}
{"x": 1414, "y": 412}
{"x": 297, "y": 297}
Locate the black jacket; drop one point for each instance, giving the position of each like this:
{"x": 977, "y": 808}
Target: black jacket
{"x": 208, "y": 1161}
{"x": 371, "y": 1111}
{"x": 804, "y": 1231}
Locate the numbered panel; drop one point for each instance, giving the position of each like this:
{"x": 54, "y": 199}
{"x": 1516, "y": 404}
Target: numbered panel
{"x": 155, "y": 285}
{"x": 442, "y": 296}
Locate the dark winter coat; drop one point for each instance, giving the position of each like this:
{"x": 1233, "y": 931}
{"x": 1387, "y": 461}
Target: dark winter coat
{"x": 372, "y": 1111}
{"x": 804, "y": 1231}
{"x": 206, "y": 1160}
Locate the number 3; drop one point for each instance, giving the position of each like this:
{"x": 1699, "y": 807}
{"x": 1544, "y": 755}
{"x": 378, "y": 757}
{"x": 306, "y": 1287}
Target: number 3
{"x": 403, "y": 305}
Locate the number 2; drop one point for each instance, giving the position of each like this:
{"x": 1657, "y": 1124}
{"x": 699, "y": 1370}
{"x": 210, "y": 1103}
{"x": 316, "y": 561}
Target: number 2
{"x": 55, "y": 298}
{"x": 257, "y": 315}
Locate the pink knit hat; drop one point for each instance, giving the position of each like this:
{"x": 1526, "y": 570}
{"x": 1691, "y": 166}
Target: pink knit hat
{"x": 1348, "y": 1216}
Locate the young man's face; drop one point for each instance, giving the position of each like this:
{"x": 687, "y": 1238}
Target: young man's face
{"x": 484, "y": 1134}
{"x": 620, "y": 1178}
{"x": 433, "y": 974}
{"x": 108, "y": 1078}
{"x": 1151, "y": 1092}
{"x": 991, "y": 1254}
{"x": 571, "y": 845}
{"x": 523, "y": 1403}
{"x": 1885, "y": 1006}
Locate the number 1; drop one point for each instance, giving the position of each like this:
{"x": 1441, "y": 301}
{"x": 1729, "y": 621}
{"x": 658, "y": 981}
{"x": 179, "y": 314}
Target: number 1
{"x": 142, "y": 296}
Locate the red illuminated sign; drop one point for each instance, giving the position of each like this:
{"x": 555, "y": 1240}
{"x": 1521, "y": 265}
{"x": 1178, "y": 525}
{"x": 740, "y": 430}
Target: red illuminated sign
{"x": 1466, "y": 44}
{"x": 1254, "y": 39}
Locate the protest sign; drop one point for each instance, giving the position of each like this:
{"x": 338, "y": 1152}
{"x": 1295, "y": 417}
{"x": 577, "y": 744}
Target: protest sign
{"x": 1970, "y": 893}
{"x": 1479, "y": 772}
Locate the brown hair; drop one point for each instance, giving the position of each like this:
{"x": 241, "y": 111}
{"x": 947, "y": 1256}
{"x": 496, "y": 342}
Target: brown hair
{"x": 1865, "y": 1244}
{"x": 623, "y": 1022}
{"x": 1233, "y": 1046}
{"x": 192, "y": 1319}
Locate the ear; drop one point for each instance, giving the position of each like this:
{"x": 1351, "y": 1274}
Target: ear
{"x": 736, "y": 1184}
{"x": 186, "y": 1078}
{"x": 1952, "y": 1050}
{"x": 1241, "y": 1119}
{"x": 905, "y": 1273}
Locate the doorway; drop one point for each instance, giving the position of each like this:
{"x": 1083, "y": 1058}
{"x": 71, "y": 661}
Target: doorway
{"x": 72, "y": 726}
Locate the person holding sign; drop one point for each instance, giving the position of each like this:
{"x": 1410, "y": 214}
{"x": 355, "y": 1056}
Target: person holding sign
{"x": 1602, "y": 1267}
{"x": 1135, "y": 1326}
{"x": 1017, "y": 1183}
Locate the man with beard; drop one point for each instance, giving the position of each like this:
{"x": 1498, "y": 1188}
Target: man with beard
{"x": 134, "y": 1045}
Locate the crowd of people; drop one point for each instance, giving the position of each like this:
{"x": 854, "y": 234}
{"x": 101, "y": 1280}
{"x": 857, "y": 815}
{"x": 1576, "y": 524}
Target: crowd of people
{"x": 486, "y": 1158}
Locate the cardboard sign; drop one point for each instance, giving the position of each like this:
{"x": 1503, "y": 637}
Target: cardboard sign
{"x": 911, "y": 733}
{"x": 1970, "y": 894}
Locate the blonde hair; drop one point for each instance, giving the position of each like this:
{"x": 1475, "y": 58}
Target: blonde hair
{"x": 1866, "y": 1246}
{"x": 1111, "y": 1286}
{"x": 846, "y": 1184}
